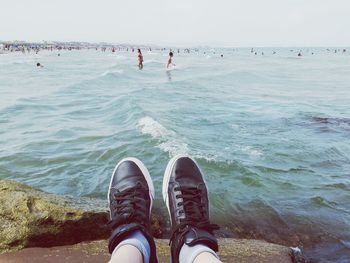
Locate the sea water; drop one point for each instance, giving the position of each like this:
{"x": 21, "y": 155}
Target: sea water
{"x": 271, "y": 132}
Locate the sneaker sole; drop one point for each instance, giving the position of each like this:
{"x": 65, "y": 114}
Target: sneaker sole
{"x": 145, "y": 173}
{"x": 167, "y": 175}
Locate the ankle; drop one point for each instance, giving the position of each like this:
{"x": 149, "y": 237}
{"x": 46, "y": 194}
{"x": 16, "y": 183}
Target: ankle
{"x": 134, "y": 241}
{"x": 191, "y": 239}
{"x": 207, "y": 257}
{"x": 199, "y": 253}
{"x": 127, "y": 253}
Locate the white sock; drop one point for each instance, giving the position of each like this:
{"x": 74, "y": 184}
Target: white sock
{"x": 188, "y": 254}
{"x": 138, "y": 240}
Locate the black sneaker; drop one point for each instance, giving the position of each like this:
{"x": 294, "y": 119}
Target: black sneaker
{"x": 130, "y": 198}
{"x": 186, "y": 197}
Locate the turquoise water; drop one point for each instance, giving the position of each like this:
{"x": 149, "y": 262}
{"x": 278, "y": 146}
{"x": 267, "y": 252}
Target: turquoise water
{"x": 271, "y": 133}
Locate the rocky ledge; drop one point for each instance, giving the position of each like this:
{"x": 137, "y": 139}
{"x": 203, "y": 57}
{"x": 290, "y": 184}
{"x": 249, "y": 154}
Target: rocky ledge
{"x": 34, "y": 219}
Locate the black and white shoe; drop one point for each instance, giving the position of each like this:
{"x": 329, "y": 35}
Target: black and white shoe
{"x": 186, "y": 197}
{"x": 130, "y": 198}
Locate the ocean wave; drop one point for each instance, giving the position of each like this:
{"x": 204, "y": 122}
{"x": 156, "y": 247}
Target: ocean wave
{"x": 320, "y": 201}
{"x": 169, "y": 141}
{"x": 120, "y": 57}
{"x": 331, "y": 122}
{"x": 151, "y": 61}
{"x": 18, "y": 62}
{"x": 218, "y": 158}
{"x": 251, "y": 151}
{"x": 211, "y": 159}
{"x": 111, "y": 72}
{"x": 86, "y": 82}
{"x": 116, "y": 55}
{"x": 341, "y": 186}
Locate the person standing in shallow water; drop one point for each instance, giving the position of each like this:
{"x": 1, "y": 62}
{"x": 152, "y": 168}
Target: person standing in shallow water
{"x": 140, "y": 58}
{"x": 170, "y": 60}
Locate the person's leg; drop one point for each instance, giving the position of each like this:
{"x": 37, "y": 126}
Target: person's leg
{"x": 186, "y": 197}
{"x": 130, "y": 198}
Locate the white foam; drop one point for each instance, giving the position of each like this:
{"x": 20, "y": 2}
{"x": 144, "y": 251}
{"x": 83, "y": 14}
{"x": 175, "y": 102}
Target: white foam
{"x": 169, "y": 141}
{"x": 118, "y": 71}
{"x": 148, "y": 61}
{"x": 155, "y": 129}
{"x": 174, "y": 147}
{"x": 207, "y": 158}
{"x": 170, "y": 68}
{"x": 251, "y": 151}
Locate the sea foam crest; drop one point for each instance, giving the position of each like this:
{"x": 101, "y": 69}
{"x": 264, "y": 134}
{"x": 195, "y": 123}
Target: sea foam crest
{"x": 169, "y": 141}
{"x": 109, "y": 72}
{"x": 250, "y": 151}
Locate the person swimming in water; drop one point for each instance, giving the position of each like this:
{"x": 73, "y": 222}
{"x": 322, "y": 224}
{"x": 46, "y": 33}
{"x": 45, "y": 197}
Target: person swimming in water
{"x": 39, "y": 65}
{"x": 140, "y": 57}
{"x": 170, "y": 60}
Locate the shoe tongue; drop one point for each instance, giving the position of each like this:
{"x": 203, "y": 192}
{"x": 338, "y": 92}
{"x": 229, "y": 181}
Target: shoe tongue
{"x": 126, "y": 185}
{"x": 122, "y": 188}
{"x": 196, "y": 236}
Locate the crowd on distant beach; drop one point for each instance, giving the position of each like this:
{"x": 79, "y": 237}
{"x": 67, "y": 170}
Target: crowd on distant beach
{"x": 36, "y": 48}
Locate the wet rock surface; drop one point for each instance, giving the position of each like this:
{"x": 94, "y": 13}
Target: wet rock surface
{"x": 32, "y": 218}
{"x": 231, "y": 250}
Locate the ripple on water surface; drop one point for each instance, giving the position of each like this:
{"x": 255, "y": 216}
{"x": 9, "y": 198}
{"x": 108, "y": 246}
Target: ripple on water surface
{"x": 271, "y": 140}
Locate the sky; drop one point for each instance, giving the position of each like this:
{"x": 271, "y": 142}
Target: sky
{"x": 228, "y": 23}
